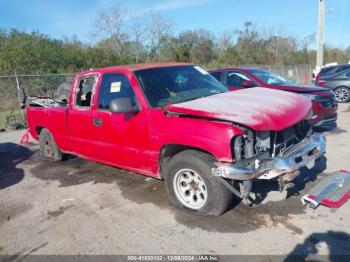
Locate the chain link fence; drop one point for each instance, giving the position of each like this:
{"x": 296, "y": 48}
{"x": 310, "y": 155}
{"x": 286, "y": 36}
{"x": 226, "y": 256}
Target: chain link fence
{"x": 13, "y": 89}
{"x": 299, "y": 74}
{"x": 57, "y": 85}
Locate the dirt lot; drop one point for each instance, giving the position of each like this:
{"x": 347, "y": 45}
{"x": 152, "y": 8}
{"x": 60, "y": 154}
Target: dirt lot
{"x": 80, "y": 207}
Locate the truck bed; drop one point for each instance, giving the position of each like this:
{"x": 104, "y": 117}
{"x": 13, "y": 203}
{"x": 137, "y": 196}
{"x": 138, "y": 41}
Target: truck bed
{"x": 52, "y": 118}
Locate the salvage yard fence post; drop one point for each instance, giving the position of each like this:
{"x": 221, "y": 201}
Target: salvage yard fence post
{"x": 21, "y": 98}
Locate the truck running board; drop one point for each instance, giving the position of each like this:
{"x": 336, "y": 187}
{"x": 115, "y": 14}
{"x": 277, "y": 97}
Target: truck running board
{"x": 332, "y": 191}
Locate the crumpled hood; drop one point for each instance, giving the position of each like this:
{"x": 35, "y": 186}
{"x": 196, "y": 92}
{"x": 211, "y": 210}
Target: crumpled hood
{"x": 256, "y": 108}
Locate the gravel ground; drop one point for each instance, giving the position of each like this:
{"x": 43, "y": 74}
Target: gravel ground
{"x": 80, "y": 207}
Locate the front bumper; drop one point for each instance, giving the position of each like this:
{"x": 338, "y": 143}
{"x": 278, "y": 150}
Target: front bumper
{"x": 324, "y": 120}
{"x": 302, "y": 154}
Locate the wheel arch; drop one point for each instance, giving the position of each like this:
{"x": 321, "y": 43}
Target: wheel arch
{"x": 168, "y": 151}
{"x": 38, "y": 129}
{"x": 342, "y": 86}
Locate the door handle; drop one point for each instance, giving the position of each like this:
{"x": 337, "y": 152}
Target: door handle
{"x": 97, "y": 122}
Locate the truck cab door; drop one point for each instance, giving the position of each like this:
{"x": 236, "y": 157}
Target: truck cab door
{"x": 79, "y": 118}
{"x": 122, "y": 139}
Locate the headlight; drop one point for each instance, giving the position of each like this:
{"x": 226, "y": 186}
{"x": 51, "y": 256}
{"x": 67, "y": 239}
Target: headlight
{"x": 311, "y": 97}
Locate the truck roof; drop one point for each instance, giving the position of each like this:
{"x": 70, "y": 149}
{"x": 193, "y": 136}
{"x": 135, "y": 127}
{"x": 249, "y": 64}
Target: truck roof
{"x": 136, "y": 67}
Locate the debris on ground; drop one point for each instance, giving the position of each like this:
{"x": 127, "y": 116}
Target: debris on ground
{"x": 332, "y": 191}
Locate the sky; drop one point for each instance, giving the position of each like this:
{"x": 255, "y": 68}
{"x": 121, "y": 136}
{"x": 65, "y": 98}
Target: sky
{"x": 65, "y": 18}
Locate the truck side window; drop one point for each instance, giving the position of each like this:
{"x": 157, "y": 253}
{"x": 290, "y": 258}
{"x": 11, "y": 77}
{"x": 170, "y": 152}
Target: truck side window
{"x": 84, "y": 91}
{"x": 114, "y": 86}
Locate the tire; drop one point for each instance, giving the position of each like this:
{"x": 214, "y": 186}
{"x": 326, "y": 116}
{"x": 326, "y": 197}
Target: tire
{"x": 48, "y": 147}
{"x": 191, "y": 185}
{"x": 62, "y": 94}
{"x": 342, "y": 94}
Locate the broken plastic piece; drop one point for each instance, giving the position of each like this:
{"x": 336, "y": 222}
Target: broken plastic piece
{"x": 332, "y": 191}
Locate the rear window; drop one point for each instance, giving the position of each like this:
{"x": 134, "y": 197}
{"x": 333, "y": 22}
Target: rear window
{"x": 345, "y": 67}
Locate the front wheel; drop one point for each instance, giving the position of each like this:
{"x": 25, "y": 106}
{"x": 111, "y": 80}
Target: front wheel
{"x": 191, "y": 185}
{"x": 342, "y": 94}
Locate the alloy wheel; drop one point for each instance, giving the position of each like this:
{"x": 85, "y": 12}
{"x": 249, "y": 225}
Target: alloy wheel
{"x": 342, "y": 94}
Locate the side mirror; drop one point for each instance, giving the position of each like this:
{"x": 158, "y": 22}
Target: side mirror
{"x": 123, "y": 105}
{"x": 248, "y": 83}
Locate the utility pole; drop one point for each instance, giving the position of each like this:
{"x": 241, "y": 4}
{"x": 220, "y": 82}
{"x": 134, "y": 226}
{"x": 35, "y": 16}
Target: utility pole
{"x": 320, "y": 43}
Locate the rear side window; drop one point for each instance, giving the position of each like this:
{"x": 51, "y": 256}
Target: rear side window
{"x": 347, "y": 74}
{"x": 326, "y": 69}
{"x": 114, "y": 86}
{"x": 84, "y": 91}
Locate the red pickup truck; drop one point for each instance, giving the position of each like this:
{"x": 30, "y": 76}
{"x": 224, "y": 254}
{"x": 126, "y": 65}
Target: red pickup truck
{"x": 176, "y": 122}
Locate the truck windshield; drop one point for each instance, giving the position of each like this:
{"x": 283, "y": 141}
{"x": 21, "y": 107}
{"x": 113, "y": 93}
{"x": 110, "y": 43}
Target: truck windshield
{"x": 270, "y": 78}
{"x": 171, "y": 85}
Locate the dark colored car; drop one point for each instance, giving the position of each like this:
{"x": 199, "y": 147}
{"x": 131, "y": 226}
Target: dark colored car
{"x": 339, "y": 83}
{"x": 324, "y": 106}
{"x": 332, "y": 70}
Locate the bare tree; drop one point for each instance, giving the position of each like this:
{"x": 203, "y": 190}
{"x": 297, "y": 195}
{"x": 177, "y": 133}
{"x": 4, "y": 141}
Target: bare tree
{"x": 307, "y": 41}
{"x": 225, "y": 39}
{"x": 111, "y": 25}
{"x": 139, "y": 30}
{"x": 158, "y": 29}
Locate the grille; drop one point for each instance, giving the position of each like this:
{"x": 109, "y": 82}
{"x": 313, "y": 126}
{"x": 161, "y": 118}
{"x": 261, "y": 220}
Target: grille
{"x": 342, "y": 180}
{"x": 287, "y": 138}
{"x": 268, "y": 143}
{"x": 328, "y": 102}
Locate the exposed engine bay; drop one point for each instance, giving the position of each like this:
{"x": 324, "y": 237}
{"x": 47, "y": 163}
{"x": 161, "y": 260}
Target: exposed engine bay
{"x": 268, "y": 144}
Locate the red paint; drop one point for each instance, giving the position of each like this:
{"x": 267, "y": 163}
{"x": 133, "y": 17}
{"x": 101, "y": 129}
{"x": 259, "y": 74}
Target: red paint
{"x": 333, "y": 204}
{"x": 306, "y": 79}
{"x": 269, "y": 111}
{"x": 134, "y": 142}
{"x": 321, "y": 82}
{"x": 320, "y": 111}
{"x": 25, "y": 139}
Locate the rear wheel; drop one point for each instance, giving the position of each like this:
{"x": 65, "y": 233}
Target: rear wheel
{"x": 342, "y": 94}
{"x": 48, "y": 147}
{"x": 191, "y": 185}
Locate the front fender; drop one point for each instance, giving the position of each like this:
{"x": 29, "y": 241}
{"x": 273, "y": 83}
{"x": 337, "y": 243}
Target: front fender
{"x": 210, "y": 136}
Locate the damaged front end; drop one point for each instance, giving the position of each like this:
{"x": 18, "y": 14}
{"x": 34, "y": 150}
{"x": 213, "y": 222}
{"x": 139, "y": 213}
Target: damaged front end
{"x": 272, "y": 154}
